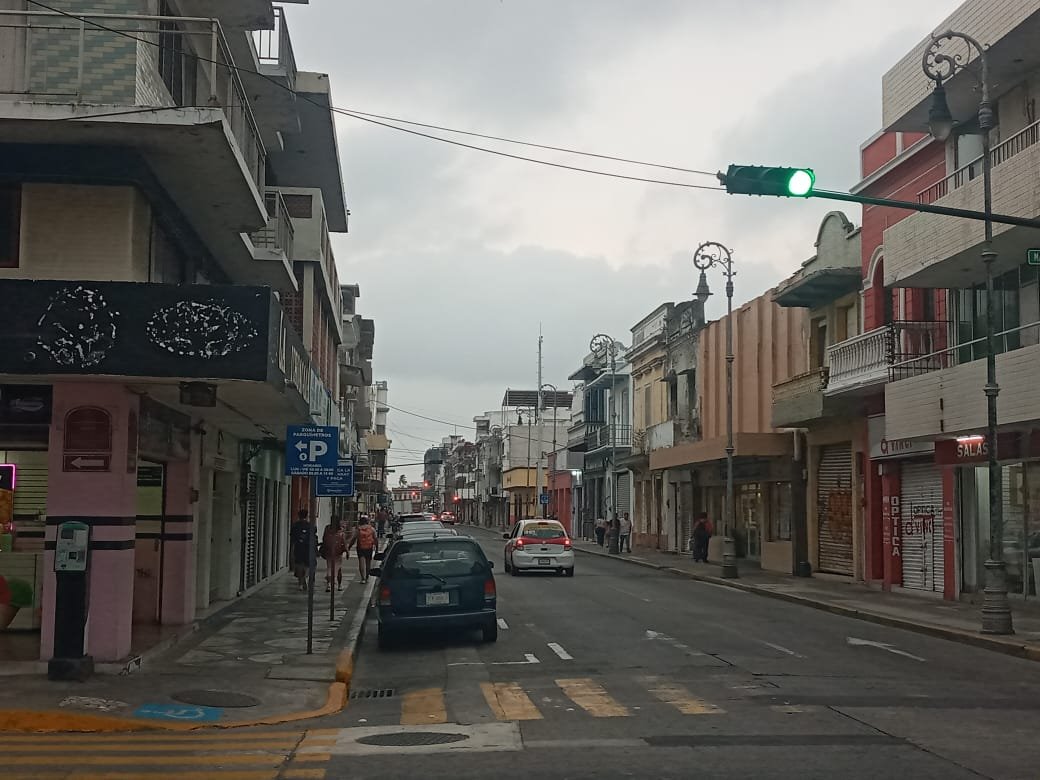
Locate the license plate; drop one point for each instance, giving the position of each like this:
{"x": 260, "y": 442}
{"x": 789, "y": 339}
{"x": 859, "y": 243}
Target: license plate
{"x": 434, "y": 599}
{"x": 545, "y": 562}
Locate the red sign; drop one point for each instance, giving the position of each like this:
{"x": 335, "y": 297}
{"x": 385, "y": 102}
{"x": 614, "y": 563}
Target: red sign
{"x": 975, "y": 449}
{"x": 86, "y": 462}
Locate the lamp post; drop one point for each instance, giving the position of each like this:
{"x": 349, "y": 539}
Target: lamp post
{"x": 708, "y": 255}
{"x": 546, "y": 385}
{"x": 940, "y": 65}
{"x": 604, "y": 347}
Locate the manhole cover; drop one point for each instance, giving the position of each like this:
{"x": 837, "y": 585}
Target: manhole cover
{"x": 412, "y": 739}
{"x": 215, "y": 699}
{"x": 372, "y": 693}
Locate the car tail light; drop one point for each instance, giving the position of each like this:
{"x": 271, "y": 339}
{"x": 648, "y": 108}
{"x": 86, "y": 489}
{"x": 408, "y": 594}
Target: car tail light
{"x": 566, "y": 544}
{"x": 384, "y": 596}
{"x": 489, "y": 590}
{"x": 519, "y": 544}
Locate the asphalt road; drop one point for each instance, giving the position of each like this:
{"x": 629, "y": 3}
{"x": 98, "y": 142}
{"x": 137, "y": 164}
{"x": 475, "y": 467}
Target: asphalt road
{"x": 627, "y": 672}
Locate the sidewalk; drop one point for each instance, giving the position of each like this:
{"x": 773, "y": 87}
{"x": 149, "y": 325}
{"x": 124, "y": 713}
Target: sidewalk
{"x": 951, "y": 620}
{"x": 244, "y": 666}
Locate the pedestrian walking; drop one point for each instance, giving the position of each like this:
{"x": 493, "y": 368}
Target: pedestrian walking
{"x": 381, "y": 518}
{"x": 601, "y": 530}
{"x": 626, "y": 533}
{"x": 333, "y": 546}
{"x": 702, "y": 531}
{"x": 365, "y": 540}
{"x": 302, "y": 537}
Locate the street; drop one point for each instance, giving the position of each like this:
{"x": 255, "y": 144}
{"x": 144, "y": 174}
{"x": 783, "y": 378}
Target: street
{"x": 623, "y": 672}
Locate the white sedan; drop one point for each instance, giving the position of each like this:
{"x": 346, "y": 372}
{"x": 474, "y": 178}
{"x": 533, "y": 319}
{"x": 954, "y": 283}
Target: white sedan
{"x": 539, "y": 544}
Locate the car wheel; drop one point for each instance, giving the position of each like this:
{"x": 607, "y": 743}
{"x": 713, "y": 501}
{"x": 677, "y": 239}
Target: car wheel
{"x": 569, "y": 572}
{"x": 490, "y": 631}
{"x": 513, "y": 570}
{"x": 383, "y": 639}
{"x": 505, "y": 565}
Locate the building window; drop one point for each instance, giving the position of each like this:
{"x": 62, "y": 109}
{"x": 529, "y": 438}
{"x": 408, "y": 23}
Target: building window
{"x": 10, "y": 224}
{"x": 1017, "y": 304}
{"x": 780, "y": 514}
{"x": 178, "y": 68}
{"x": 299, "y": 206}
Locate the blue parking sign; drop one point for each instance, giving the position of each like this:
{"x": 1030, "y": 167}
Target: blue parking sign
{"x": 340, "y": 483}
{"x": 311, "y": 450}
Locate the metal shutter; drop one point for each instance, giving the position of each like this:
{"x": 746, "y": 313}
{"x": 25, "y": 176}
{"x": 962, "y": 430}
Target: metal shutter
{"x": 834, "y": 509}
{"x": 921, "y": 532}
{"x": 624, "y": 493}
{"x": 252, "y": 532}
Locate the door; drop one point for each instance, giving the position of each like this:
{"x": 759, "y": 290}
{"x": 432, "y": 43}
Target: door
{"x": 149, "y": 552}
{"x": 834, "y": 509}
{"x": 624, "y": 493}
{"x": 922, "y": 531}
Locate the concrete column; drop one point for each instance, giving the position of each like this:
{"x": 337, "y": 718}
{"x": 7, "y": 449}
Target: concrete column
{"x": 203, "y": 538}
{"x": 105, "y": 499}
{"x": 178, "y": 596}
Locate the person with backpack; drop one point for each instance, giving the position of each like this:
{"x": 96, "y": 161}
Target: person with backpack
{"x": 701, "y": 534}
{"x": 365, "y": 540}
{"x": 333, "y": 545}
{"x": 302, "y": 538}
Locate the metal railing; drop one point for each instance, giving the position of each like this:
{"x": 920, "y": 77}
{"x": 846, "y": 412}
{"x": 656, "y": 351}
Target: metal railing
{"x": 876, "y": 356}
{"x": 274, "y": 47}
{"x": 967, "y": 351}
{"x": 600, "y": 436}
{"x": 141, "y": 60}
{"x": 1019, "y": 142}
{"x": 813, "y": 381}
{"x": 278, "y": 233}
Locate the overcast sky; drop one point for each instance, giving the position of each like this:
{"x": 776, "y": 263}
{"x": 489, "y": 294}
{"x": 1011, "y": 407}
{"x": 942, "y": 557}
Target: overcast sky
{"x": 460, "y": 255}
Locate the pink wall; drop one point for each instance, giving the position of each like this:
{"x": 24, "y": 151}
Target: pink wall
{"x": 178, "y": 603}
{"x": 107, "y": 501}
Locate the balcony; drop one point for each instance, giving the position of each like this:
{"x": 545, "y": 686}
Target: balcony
{"x": 799, "y": 399}
{"x": 929, "y": 250}
{"x": 598, "y": 437}
{"x": 274, "y": 242}
{"x": 273, "y": 86}
{"x": 885, "y": 354}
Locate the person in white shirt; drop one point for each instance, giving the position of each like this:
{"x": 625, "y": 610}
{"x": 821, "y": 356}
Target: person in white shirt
{"x": 625, "y": 533}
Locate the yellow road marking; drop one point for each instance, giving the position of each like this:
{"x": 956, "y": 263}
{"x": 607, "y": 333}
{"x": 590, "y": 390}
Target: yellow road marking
{"x": 207, "y": 760}
{"x": 679, "y": 697}
{"x": 93, "y": 739}
{"x": 425, "y": 706}
{"x": 591, "y": 697}
{"x": 129, "y": 747}
{"x": 509, "y": 702}
{"x": 312, "y": 757}
{"x": 302, "y": 774}
{"x": 259, "y": 774}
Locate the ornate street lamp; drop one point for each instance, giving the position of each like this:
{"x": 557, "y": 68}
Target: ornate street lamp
{"x": 940, "y": 65}
{"x": 708, "y": 255}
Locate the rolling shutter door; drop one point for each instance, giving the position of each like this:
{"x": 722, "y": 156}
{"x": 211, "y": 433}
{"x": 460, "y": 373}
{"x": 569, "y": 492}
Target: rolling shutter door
{"x": 922, "y": 536}
{"x": 834, "y": 509}
{"x": 252, "y": 530}
{"x": 624, "y": 493}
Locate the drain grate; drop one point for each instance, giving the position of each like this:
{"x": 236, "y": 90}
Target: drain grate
{"x": 412, "y": 739}
{"x": 372, "y": 693}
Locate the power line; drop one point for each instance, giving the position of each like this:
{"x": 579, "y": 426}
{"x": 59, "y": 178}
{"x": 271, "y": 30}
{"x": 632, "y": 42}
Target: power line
{"x": 368, "y": 118}
{"x": 433, "y": 419}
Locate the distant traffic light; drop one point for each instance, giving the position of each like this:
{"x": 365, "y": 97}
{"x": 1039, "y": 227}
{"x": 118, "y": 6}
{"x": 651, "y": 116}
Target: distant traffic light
{"x": 456, "y": 499}
{"x": 763, "y": 180}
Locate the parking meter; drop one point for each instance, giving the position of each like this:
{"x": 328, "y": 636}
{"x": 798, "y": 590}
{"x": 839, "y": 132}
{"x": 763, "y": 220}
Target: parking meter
{"x": 71, "y": 555}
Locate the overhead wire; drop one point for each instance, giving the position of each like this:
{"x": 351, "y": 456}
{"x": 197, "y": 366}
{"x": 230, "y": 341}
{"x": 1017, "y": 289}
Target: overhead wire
{"x": 371, "y": 118}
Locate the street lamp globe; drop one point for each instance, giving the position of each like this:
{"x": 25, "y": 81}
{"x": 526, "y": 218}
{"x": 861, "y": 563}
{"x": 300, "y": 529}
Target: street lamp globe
{"x": 940, "y": 120}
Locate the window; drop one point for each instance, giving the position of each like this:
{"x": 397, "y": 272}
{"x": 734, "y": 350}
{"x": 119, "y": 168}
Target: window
{"x": 648, "y": 401}
{"x": 780, "y": 516}
{"x": 673, "y": 398}
{"x": 178, "y": 68}
{"x": 1016, "y": 304}
{"x": 299, "y": 206}
{"x": 10, "y": 224}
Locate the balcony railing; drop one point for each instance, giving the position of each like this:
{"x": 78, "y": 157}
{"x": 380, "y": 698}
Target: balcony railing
{"x": 1001, "y": 153}
{"x": 178, "y": 61}
{"x": 797, "y": 386}
{"x": 278, "y": 234}
{"x": 600, "y": 436}
{"x": 274, "y": 47}
{"x": 887, "y": 353}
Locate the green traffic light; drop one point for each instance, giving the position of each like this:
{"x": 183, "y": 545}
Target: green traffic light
{"x": 801, "y": 182}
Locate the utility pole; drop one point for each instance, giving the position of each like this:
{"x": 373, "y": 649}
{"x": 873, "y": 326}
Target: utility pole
{"x": 538, "y": 421}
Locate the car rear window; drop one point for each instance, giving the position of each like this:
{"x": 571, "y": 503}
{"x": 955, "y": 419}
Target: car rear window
{"x": 412, "y": 518}
{"x": 544, "y": 531}
{"x": 420, "y": 559}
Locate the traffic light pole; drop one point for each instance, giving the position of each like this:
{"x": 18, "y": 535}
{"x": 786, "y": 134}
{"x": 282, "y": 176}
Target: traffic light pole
{"x": 926, "y": 207}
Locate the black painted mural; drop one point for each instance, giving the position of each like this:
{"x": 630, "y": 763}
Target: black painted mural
{"x": 137, "y": 329}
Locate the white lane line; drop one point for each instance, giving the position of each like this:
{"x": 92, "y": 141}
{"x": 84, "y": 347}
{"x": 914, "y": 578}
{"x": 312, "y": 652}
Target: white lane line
{"x": 851, "y": 640}
{"x": 531, "y": 658}
{"x": 781, "y": 648}
{"x": 673, "y": 642}
{"x": 556, "y": 648}
{"x": 629, "y": 593}
{"x": 503, "y": 624}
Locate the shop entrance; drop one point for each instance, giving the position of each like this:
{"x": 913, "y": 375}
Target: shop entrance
{"x": 149, "y": 550}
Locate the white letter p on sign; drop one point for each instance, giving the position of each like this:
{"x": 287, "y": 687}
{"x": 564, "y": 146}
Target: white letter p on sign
{"x": 318, "y": 448}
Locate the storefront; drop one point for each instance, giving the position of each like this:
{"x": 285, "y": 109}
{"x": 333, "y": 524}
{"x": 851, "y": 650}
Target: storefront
{"x": 25, "y": 414}
{"x": 834, "y": 509}
{"x": 1020, "y": 483}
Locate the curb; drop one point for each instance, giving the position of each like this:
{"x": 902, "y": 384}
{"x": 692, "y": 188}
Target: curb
{"x": 1030, "y": 652}
{"x": 55, "y": 721}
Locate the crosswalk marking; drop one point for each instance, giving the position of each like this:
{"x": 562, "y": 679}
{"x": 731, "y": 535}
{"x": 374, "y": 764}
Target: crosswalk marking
{"x": 592, "y": 697}
{"x": 423, "y": 707}
{"x": 558, "y": 649}
{"x": 509, "y": 702}
{"x": 679, "y": 697}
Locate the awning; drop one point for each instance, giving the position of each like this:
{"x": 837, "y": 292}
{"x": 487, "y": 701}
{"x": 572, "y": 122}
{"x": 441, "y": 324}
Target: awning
{"x": 754, "y": 445}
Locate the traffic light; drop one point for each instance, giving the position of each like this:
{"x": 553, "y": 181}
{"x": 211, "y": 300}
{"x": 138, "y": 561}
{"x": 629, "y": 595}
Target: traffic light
{"x": 456, "y": 499}
{"x": 763, "y": 180}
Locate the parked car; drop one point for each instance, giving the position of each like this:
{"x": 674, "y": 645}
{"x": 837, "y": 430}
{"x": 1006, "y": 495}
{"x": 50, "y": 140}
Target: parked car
{"x": 428, "y": 583}
{"x": 539, "y": 544}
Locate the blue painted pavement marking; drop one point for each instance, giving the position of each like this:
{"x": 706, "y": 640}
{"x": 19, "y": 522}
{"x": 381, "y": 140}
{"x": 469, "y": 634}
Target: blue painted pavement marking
{"x": 179, "y": 712}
